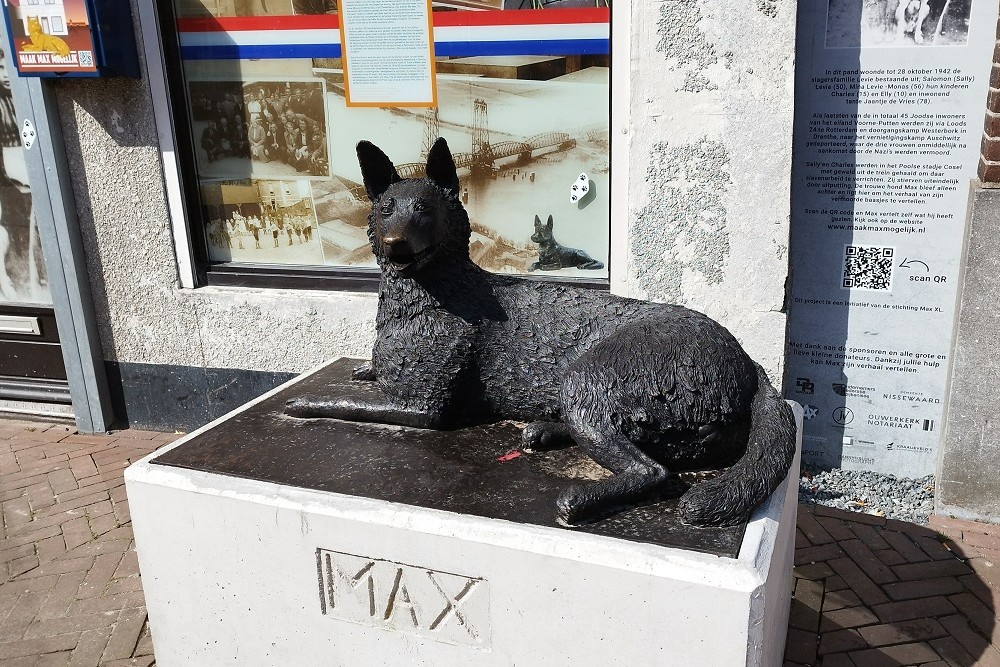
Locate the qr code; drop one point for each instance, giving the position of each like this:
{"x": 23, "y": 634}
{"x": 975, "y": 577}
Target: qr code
{"x": 86, "y": 58}
{"x": 868, "y": 267}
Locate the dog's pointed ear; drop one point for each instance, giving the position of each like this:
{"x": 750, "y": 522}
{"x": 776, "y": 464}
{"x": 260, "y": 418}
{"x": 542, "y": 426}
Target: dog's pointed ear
{"x": 376, "y": 169}
{"x": 548, "y": 223}
{"x": 441, "y": 167}
{"x": 538, "y": 221}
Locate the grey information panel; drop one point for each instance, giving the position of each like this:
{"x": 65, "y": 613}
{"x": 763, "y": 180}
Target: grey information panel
{"x": 890, "y": 98}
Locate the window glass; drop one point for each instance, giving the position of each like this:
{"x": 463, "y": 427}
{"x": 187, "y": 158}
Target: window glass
{"x": 22, "y": 268}
{"x": 522, "y": 94}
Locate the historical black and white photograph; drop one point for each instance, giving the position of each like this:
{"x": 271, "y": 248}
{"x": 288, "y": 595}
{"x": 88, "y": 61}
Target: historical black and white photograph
{"x": 261, "y": 221}
{"x": 522, "y": 130}
{"x": 22, "y": 268}
{"x": 260, "y": 129}
{"x": 227, "y": 8}
{"x": 895, "y": 23}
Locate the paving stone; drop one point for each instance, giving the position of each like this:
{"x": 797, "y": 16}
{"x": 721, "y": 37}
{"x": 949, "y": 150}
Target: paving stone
{"x": 125, "y": 635}
{"x": 889, "y": 656}
{"x": 871, "y": 537}
{"x": 981, "y": 616}
{"x": 850, "y": 517}
{"x": 953, "y": 652}
{"x": 103, "y": 524}
{"x": 817, "y": 553}
{"x": 40, "y": 496}
{"x": 931, "y": 569}
{"x": 987, "y": 594}
{"x": 806, "y": 603}
{"x": 812, "y": 571}
{"x": 933, "y": 548}
{"x": 59, "y": 659}
{"x": 840, "y": 641}
{"x": 835, "y": 583}
{"x": 918, "y": 629}
{"x": 837, "y": 660}
{"x": 50, "y": 548}
{"x": 16, "y": 511}
{"x": 837, "y": 529}
{"x": 840, "y": 599}
{"x": 869, "y": 563}
{"x": 958, "y": 627}
{"x": 890, "y": 557}
{"x": 139, "y": 661}
{"x": 908, "y": 609}
{"x": 65, "y": 624}
{"x": 908, "y": 590}
{"x": 849, "y": 617}
{"x": 811, "y": 528}
{"x": 76, "y": 532}
{"x": 905, "y": 547}
{"x": 99, "y": 575}
{"x": 26, "y": 647}
{"x": 858, "y": 582}
{"x": 19, "y": 566}
{"x": 61, "y": 480}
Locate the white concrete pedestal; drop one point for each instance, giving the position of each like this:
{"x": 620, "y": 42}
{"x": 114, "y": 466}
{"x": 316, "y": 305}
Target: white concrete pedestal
{"x": 244, "y": 572}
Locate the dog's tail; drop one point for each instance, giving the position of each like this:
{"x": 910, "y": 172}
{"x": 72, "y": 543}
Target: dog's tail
{"x": 730, "y": 498}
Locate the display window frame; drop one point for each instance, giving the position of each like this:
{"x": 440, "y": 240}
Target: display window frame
{"x": 199, "y": 269}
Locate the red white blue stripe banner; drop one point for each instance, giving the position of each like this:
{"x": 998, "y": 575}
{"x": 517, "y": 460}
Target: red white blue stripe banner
{"x": 462, "y": 33}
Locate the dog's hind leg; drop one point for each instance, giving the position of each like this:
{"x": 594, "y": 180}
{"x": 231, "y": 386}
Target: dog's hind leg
{"x": 637, "y": 477}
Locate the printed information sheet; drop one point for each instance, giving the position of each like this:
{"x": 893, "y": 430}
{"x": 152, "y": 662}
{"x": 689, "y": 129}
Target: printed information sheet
{"x": 890, "y": 98}
{"x": 388, "y": 52}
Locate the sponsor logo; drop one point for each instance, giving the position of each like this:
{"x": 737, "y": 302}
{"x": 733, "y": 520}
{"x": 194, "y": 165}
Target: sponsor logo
{"x": 909, "y": 397}
{"x": 843, "y": 416}
{"x": 804, "y": 386}
{"x": 851, "y": 391}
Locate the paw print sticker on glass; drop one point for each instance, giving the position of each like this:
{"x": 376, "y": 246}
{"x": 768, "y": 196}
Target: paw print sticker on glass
{"x": 579, "y": 189}
{"x": 28, "y": 134}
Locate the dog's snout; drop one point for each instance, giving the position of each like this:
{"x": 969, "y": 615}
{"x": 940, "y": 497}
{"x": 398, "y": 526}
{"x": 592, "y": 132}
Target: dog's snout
{"x": 397, "y": 246}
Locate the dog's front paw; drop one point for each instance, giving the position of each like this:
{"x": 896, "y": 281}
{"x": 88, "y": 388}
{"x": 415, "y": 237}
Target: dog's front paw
{"x": 541, "y": 436}
{"x": 364, "y": 372}
{"x": 302, "y": 407}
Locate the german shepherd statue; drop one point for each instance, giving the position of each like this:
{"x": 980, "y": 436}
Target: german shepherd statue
{"x": 553, "y": 256}
{"x": 643, "y": 388}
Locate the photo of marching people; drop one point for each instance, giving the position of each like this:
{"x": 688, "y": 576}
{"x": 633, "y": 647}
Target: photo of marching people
{"x": 261, "y": 221}
{"x": 262, "y": 129}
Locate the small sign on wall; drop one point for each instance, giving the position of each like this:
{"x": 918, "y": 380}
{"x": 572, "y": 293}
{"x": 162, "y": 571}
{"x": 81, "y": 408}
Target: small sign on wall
{"x": 70, "y": 38}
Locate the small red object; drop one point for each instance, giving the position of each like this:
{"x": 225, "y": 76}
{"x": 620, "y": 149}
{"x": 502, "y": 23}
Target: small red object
{"x": 512, "y": 454}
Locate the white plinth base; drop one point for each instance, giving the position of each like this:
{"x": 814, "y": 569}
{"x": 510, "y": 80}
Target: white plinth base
{"x": 242, "y": 572}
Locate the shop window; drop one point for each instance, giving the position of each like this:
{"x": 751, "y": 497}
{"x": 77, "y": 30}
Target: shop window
{"x": 267, "y": 130}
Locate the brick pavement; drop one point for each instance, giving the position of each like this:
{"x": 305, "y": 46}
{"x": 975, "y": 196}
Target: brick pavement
{"x": 69, "y": 580}
{"x": 868, "y": 591}
{"x": 874, "y": 592}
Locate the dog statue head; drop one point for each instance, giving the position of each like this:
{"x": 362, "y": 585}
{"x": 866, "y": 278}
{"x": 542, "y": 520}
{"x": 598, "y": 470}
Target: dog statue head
{"x": 543, "y": 232}
{"x": 414, "y": 223}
